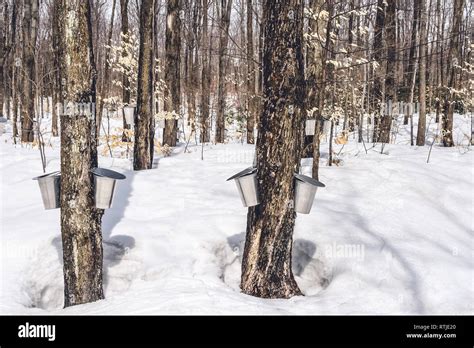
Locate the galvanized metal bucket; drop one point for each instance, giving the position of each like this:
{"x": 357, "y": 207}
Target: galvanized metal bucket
{"x": 50, "y": 187}
{"x": 246, "y": 182}
{"x": 129, "y": 112}
{"x": 305, "y": 190}
{"x": 104, "y": 186}
{"x": 310, "y": 127}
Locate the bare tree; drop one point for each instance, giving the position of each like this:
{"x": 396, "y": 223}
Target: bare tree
{"x": 390, "y": 88}
{"x": 126, "y": 94}
{"x": 172, "y": 71}
{"x": 29, "y": 32}
{"x": 252, "y": 109}
{"x": 266, "y": 263}
{"x": 205, "y": 76}
{"x": 3, "y": 52}
{"x": 80, "y": 220}
{"x": 143, "y": 147}
{"x": 420, "y": 136}
{"x": 454, "y": 61}
{"x": 226, "y": 8}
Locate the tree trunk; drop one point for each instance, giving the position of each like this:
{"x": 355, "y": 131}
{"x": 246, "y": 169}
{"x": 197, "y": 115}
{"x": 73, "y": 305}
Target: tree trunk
{"x": 390, "y": 88}
{"x": 251, "y": 76}
{"x": 126, "y": 94}
{"x": 411, "y": 60}
{"x": 104, "y": 88}
{"x": 58, "y": 53}
{"x": 3, "y": 52}
{"x": 80, "y": 220}
{"x": 453, "y": 60}
{"x": 205, "y": 76}
{"x": 30, "y": 28}
{"x": 142, "y": 153}
{"x": 266, "y": 263}
{"x": 420, "y": 135}
{"x": 226, "y": 7}
{"x": 326, "y": 71}
{"x": 378, "y": 78}
{"x": 172, "y": 71}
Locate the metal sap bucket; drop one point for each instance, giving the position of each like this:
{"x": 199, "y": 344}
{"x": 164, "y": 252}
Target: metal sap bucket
{"x": 310, "y": 127}
{"x": 50, "y": 186}
{"x": 129, "y": 112}
{"x": 104, "y": 186}
{"x": 246, "y": 182}
{"x": 305, "y": 190}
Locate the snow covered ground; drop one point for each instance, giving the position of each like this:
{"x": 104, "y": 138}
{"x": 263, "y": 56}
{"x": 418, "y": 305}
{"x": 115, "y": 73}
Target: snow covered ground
{"x": 389, "y": 234}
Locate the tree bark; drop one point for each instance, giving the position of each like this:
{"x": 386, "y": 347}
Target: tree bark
{"x": 80, "y": 220}
{"x": 205, "y": 76}
{"x": 378, "y": 78}
{"x": 172, "y": 71}
{"x": 411, "y": 59}
{"x": 30, "y": 29}
{"x": 142, "y": 153}
{"x": 266, "y": 263}
{"x": 453, "y": 60}
{"x": 251, "y": 76}
{"x": 126, "y": 94}
{"x": 420, "y": 135}
{"x": 104, "y": 88}
{"x": 390, "y": 88}
{"x": 58, "y": 53}
{"x": 226, "y": 7}
{"x": 325, "y": 71}
{"x": 3, "y": 52}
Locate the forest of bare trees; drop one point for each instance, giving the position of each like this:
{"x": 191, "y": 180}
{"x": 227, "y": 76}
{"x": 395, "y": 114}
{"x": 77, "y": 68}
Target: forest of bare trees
{"x": 280, "y": 74}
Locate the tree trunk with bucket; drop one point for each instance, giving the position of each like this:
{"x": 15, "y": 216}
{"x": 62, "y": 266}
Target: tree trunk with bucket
{"x": 80, "y": 220}
{"x": 266, "y": 264}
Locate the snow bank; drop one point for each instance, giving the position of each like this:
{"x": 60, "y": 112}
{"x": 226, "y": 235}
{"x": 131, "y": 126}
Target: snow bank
{"x": 389, "y": 234}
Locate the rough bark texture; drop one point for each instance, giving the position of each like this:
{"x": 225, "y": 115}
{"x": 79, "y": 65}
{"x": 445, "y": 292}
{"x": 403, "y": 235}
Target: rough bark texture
{"x": 390, "y": 88}
{"x": 377, "y": 56}
{"x": 252, "y": 109}
{"x": 125, "y": 81}
{"x": 266, "y": 264}
{"x": 3, "y": 51}
{"x": 226, "y": 7}
{"x": 142, "y": 152}
{"x": 205, "y": 76}
{"x": 80, "y": 220}
{"x": 420, "y": 135}
{"x": 453, "y": 54}
{"x": 172, "y": 71}
{"x": 411, "y": 71}
{"x": 58, "y": 53}
{"x": 29, "y": 29}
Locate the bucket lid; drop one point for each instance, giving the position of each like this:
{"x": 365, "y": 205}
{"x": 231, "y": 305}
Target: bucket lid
{"x": 247, "y": 171}
{"x": 107, "y": 173}
{"x": 52, "y": 174}
{"x": 309, "y": 180}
